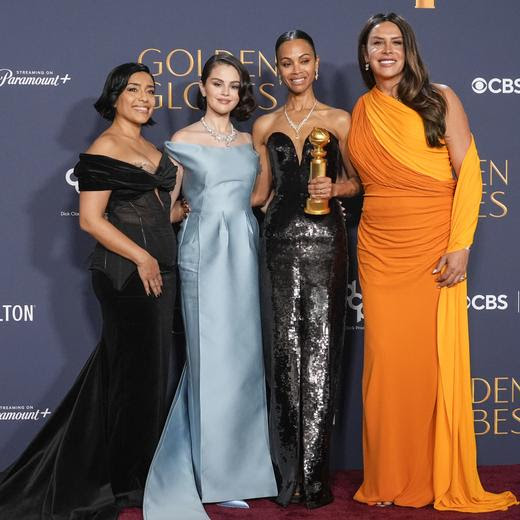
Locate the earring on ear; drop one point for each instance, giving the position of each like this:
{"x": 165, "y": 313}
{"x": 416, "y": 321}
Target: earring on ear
{"x": 367, "y": 65}
{"x": 280, "y": 79}
{"x": 316, "y": 75}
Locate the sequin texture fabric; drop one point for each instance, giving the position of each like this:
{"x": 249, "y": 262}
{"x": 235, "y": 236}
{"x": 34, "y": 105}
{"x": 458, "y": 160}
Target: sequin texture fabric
{"x": 304, "y": 286}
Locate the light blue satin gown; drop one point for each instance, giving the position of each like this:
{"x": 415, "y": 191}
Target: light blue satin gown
{"x": 215, "y": 445}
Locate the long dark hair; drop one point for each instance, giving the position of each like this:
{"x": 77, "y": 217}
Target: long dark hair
{"x": 414, "y": 89}
{"x": 116, "y": 82}
{"x": 295, "y": 34}
{"x": 246, "y": 100}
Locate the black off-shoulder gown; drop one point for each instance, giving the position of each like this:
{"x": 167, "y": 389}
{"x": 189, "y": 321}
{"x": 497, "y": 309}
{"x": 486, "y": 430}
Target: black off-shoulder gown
{"x": 91, "y": 458}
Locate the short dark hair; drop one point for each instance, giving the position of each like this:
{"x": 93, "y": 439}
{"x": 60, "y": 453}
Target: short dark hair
{"x": 116, "y": 82}
{"x": 246, "y": 100}
{"x": 295, "y": 34}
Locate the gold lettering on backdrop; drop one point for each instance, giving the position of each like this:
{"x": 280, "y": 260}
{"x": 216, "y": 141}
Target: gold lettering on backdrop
{"x": 190, "y": 62}
{"x": 494, "y": 178}
{"x": 516, "y": 417}
{"x": 168, "y": 66}
{"x": 482, "y": 419}
{"x": 497, "y": 420}
{"x": 140, "y": 59}
{"x": 245, "y": 62}
{"x": 425, "y": 4}
{"x": 186, "y": 95}
{"x": 487, "y": 393}
{"x": 171, "y": 106}
{"x": 266, "y": 94}
{"x": 515, "y": 389}
{"x": 499, "y": 388}
{"x": 263, "y": 60}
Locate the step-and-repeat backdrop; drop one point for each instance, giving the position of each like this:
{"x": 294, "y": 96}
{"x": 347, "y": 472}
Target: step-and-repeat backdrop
{"x": 54, "y": 60}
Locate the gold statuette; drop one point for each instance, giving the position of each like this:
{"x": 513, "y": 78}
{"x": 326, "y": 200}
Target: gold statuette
{"x": 319, "y": 138}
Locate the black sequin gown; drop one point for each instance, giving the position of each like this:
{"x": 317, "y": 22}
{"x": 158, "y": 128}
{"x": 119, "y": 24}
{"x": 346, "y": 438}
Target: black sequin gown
{"x": 304, "y": 285}
{"x": 92, "y": 456}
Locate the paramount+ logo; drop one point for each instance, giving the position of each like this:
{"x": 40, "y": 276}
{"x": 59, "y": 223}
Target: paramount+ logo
{"x": 496, "y": 85}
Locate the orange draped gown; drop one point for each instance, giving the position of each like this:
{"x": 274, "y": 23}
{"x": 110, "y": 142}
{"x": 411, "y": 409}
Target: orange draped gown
{"x": 418, "y": 437}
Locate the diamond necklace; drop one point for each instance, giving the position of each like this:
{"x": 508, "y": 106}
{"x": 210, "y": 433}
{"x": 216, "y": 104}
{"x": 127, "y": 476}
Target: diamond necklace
{"x": 298, "y": 127}
{"x": 227, "y": 139}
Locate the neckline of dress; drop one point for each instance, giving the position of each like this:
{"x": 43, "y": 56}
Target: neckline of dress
{"x": 209, "y": 145}
{"x": 298, "y": 158}
{"x": 126, "y": 163}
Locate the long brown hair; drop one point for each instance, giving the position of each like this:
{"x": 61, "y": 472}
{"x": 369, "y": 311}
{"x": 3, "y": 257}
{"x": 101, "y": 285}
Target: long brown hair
{"x": 414, "y": 89}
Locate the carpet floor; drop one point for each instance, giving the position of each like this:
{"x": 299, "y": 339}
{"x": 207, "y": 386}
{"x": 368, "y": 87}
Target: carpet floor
{"x": 345, "y": 483}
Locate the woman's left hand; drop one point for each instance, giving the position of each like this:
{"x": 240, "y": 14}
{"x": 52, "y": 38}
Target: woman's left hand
{"x": 455, "y": 265}
{"x": 321, "y": 188}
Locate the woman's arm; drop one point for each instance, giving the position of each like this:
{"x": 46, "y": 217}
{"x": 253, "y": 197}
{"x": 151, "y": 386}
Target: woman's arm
{"x": 262, "y": 190}
{"x": 347, "y": 184}
{"x": 452, "y": 266}
{"x": 92, "y": 206}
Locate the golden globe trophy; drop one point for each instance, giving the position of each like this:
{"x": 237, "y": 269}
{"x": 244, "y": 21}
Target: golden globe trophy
{"x": 425, "y": 4}
{"x": 319, "y": 138}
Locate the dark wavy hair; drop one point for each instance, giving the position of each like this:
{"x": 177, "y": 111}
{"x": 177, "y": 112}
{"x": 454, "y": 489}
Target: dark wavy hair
{"x": 295, "y": 34}
{"x": 246, "y": 100}
{"x": 414, "y": 89}
{"x": 116, "y": 82}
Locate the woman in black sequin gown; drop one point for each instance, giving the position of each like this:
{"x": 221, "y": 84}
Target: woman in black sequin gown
{"x": 304, "y": 275}
{"x": 91, "y": 458}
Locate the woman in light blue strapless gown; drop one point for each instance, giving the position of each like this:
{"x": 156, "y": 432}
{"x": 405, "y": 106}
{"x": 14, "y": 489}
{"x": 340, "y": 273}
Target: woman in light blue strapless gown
{"x": 215, "y": 446}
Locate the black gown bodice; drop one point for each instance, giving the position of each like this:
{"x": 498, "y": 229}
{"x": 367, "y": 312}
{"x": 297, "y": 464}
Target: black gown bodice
{"x": 139, "y": 206}
{"x": 285, "y": 218}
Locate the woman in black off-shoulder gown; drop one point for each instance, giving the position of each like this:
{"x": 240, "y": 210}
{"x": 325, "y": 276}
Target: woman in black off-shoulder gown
{"x": 91, "y": 458}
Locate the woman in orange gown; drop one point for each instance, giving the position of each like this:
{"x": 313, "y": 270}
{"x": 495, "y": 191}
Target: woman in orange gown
{"x": 411, "y": 144}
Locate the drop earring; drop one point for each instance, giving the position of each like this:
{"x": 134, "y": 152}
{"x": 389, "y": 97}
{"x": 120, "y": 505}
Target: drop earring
{"x": 367, "y": 66}
{"x": 316, "y": 75}
{"x": 280, "y": 79}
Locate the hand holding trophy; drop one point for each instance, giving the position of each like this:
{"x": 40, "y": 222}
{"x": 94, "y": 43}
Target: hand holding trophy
{"x": 319, "y": 138}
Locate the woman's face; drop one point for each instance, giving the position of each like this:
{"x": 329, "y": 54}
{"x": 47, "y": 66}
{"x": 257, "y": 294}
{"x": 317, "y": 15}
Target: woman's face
{"x": 385, "y": 52}
{"x": 221, "y": 89}
{"x": 297, "y": 65}
{"x": 136, "y": 102}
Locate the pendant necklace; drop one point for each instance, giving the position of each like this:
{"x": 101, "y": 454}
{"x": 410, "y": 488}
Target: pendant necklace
{"x": 298, "y": 127}
{"x": 227, "y": 139}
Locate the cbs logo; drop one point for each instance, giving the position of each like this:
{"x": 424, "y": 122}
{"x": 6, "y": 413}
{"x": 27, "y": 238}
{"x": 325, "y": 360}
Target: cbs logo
{"x": 488, "y": 302}
{"x": 496, "y": 85}
{"x": 70, "y": 180}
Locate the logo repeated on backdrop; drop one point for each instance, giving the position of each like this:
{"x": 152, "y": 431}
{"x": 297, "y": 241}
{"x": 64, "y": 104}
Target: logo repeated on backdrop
{"x": 177, "y": 73}
{"x": 496, "y": 85}
{"x": 488, "y": 302}
{"x": 495, "y": 181}
{"x": 32, "y": 78}
{"x": 496, "y": 405}
{"x": 71, "y": 180}
{"x": 16, "y": 313}
{"x": 355, "y": 303}
{"x": 22, "y": 413}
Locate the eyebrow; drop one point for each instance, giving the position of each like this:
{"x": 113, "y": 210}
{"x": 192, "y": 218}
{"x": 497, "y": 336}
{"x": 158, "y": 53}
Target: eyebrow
{"x": 139, "y": 84}
{"x": 218, "y": 79}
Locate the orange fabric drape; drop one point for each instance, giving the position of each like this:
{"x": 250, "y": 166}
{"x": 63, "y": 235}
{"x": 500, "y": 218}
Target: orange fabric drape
{"x": 388, "y": 147}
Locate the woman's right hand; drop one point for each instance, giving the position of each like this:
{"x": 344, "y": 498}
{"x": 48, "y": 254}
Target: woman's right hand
{"x": 150, "y": 274}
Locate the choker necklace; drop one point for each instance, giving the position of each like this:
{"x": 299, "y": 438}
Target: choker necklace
{"x": 227, "y": 139}
{"x": 297, "y": 127}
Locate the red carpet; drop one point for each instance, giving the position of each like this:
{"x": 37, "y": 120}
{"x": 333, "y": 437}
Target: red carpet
{"x": 494, "y": 478}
